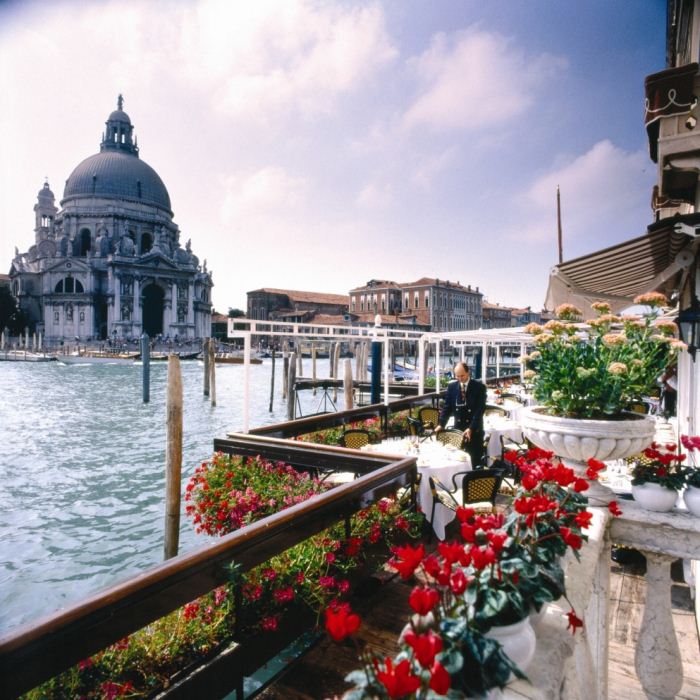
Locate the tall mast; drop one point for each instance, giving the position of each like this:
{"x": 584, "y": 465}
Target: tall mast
{"x": 561, "y": 251}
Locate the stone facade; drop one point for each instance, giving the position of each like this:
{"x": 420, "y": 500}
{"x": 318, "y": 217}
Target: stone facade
{"x": 108, "y": 263}
{"x": 290, "y": 305}
{"x": 439, "y": 305}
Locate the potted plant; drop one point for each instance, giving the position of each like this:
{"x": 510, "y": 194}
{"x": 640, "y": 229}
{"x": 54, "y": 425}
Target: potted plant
{"x": 473, "y": 588}
{"x": 691, "y": 495}
{"x": 587, "y": 376}
{"x": 657, "y": 476}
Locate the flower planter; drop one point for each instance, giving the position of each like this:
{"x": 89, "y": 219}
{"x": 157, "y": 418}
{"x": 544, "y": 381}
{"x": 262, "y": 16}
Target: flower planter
{"x": 576, "y": 440}
{"x": 655, "y": 497}
{"x": 691, "y": 496}
{"x": 518, "y": 641}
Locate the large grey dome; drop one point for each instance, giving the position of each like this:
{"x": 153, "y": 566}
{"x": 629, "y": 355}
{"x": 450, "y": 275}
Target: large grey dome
{"x": 119, "y": 175}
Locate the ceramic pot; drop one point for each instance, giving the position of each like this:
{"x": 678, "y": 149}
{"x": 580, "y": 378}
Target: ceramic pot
{"x": 518, "y": 641}
{"x": 691, "y": 496}
{"x": 576, "y": 440}
{"x": 655, "y": 497}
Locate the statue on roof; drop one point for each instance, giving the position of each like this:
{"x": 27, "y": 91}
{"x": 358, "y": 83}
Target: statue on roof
{"x": 120, "y": 101}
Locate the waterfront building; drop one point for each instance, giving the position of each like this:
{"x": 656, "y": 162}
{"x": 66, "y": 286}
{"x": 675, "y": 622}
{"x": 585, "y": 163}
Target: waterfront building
{"x": 268, "y": 304}
{"x": 496, "y": 316}
{"x": 109, "y": 263}
{"x": 437, "y": 305}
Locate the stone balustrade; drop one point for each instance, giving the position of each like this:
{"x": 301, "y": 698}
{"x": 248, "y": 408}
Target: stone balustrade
{"x": 576, "y": 667}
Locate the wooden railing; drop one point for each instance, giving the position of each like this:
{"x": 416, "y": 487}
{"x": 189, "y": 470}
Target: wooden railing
{"x": 311, "y": 424}
{"x": 40, "y": 650}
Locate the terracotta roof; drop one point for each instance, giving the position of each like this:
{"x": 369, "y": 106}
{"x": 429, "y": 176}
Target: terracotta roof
{"x": 433, "y": 281}
{"x": 377, "y": 284}
{"x": 487, "y": 305}
{"x": 329, "y": 319}
{"x": 317, "y": 297}
{"x": 219, "y": 318}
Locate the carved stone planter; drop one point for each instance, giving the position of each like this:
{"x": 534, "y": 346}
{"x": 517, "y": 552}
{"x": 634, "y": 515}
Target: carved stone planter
{"x": 576, "y": 440}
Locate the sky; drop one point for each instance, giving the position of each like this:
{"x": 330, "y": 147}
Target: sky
{"x": 318, "y": 145}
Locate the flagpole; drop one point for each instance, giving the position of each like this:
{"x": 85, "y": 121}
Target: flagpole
{"x": 561, "y": 250}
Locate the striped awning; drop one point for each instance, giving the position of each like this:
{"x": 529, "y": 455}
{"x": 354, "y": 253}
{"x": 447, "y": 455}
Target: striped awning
{"x": 652, "y": 262}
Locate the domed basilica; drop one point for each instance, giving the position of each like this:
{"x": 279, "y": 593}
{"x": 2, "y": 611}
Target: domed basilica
{"x": 109, "y": 263}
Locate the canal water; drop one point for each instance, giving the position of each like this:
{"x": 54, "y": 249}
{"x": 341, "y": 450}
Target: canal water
{"x": 82, "y": 470}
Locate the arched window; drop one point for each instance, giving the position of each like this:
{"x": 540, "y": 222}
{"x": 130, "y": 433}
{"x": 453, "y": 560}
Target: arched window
{"x": 85, "y": 242}
{"x": 68, "y": 285}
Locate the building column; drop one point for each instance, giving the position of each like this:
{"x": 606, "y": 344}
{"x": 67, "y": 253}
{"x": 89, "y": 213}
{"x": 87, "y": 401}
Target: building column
{"x": 137, "y": 316}
{"x": 115, "y": 280}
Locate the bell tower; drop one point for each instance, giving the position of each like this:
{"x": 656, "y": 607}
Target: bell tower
{"x": 45, "y": 212}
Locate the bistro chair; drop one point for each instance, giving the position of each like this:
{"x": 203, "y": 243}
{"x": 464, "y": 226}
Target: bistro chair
{"x": 355, "y": 438}
{"x": 468, "y": 488}
{"x": 429, "y": 417}
{"x": 511, "y": 473}
{"x": 451, "y": 437}
{"x": 492, "y": 410}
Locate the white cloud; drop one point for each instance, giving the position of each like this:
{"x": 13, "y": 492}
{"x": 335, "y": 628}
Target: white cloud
{"x": 604, "y": 184}
{"x": 375, "y": 196}
{"x": 267, "y": 193}
{"x": 475, "y": 79}
{"x": 425, "y": 171}
{"x": 273, "y": 57}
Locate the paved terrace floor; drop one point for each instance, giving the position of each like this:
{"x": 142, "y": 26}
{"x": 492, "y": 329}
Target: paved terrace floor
{"x": 320, "y": 673}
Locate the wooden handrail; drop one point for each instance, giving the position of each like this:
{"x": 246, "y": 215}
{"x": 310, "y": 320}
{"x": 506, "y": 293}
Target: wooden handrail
{"x": 310, "y": 424}
{"x": 40, "y": 650}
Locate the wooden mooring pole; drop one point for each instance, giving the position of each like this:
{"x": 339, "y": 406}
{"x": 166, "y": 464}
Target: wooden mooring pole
{"x": 347, "y": 384}
{"x": 291, "y": 395}
{"x": 313, "y": 368}
{"x": 146, "y": 366}
{"x": 212, "y": 370}
{"x": 272, "y": 380}
{"x": 173, "y": 458}
{"x": 205, "y": 357}
{"x": 285, "y": 373}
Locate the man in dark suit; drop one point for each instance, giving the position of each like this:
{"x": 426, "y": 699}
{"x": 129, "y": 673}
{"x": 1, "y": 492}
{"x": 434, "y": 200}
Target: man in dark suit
{"x": 466, "y": 401}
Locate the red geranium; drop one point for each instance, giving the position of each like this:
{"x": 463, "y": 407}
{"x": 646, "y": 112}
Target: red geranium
{"x": 341, "y": 622}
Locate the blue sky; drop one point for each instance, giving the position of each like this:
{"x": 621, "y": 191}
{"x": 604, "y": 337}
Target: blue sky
{"x": 317, "y": 145}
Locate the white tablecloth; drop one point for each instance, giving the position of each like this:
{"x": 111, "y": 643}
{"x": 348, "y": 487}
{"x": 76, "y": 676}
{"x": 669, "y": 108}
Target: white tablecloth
{"x": 494, "y": 427}
{"x": 433, "y": 459}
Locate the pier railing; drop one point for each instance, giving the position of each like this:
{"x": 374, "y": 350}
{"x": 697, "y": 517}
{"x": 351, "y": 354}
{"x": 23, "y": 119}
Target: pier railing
{"x": 41, "y": 650}
{"x": 310, "y": 424}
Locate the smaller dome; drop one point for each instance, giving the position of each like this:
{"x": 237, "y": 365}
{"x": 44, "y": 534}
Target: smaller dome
{"x": 45, "y": 191}
{"x": 119, "y": 116}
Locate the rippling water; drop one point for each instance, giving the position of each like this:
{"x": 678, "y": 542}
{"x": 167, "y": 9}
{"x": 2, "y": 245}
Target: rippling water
{"x": 82, "y": 471}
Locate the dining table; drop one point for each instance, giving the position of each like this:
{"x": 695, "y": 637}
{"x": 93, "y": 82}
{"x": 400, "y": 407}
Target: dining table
{"x": 433, "y": 459}
{"x": 496, "y": 426}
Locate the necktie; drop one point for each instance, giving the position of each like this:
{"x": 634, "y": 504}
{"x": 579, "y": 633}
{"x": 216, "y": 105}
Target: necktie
{"x": 462, "y": 392}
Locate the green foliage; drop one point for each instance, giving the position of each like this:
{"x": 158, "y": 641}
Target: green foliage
{"x": 598, "y": 369}
{"x": 11, "y": 316}
{"x": 308, "y": 576}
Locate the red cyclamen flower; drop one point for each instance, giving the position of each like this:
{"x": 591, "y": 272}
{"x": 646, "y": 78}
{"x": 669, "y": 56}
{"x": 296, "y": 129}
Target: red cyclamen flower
{"x": 574, "y": 622}
{"x": 407, "y": 559}
{"x": 398, "y": 681}
{"x": 614, "y": 508}
{"x": 423, "y": 600}
{"x": 341, "y": 622}
{"x": 439, "y": 679}
{"x": 425, "y": 646}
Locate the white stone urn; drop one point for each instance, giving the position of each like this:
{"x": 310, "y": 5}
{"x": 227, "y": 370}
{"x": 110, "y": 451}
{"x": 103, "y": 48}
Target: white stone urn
{"x": 691, "y": 496}
{"x": 655, "y": 497}
{"x": 576, "y": 440}
{"x": 518, "y": 641}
